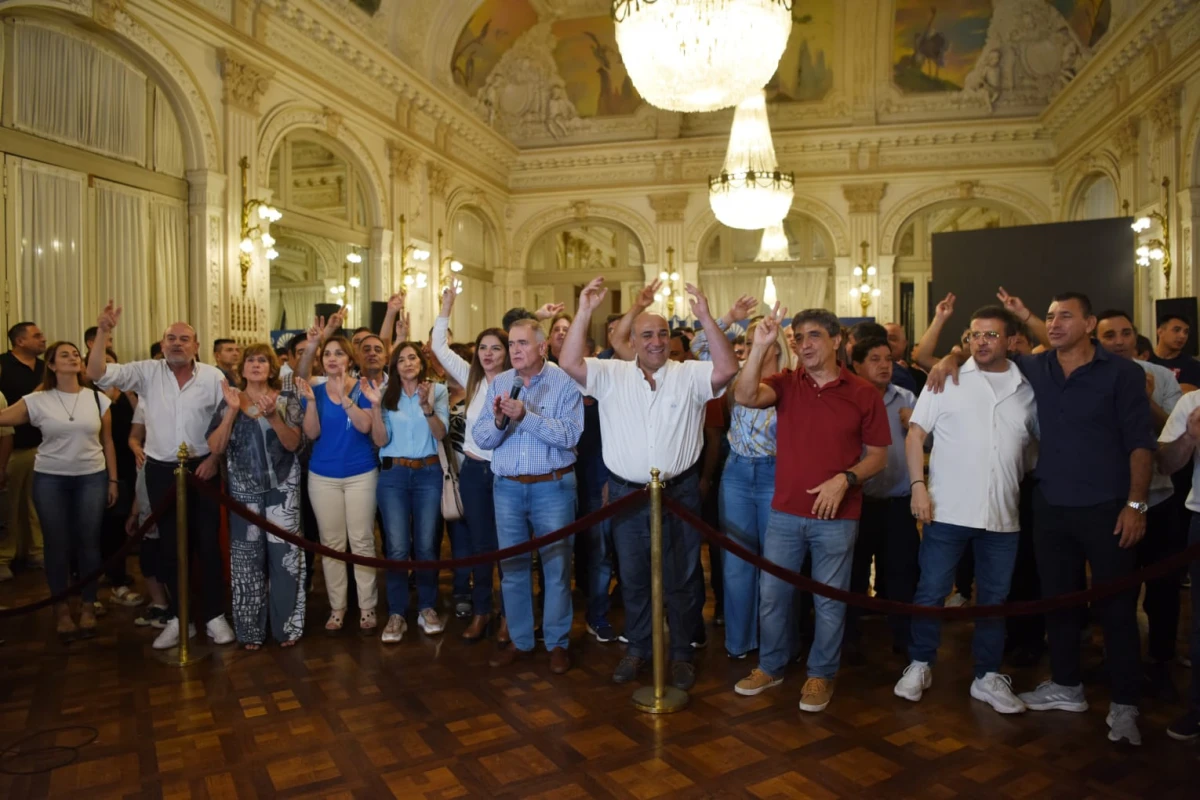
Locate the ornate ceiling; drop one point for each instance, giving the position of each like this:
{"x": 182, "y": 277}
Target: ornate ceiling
{"x": 548, "y": 72}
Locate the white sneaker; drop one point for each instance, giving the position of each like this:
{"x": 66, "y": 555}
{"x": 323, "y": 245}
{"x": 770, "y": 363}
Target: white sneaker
{"x": 170, "y": 636}
{"x": 1050, "y": 696}
{"x": 1122, "y": 723}
{"x": 996, "y": 690}
{"x": 219, "y": 630}
{"x": 956, "y": 600}
{"x": 916, "y": 679}
{"x": 430, "y": 622}
{"x": 394, "y": 630}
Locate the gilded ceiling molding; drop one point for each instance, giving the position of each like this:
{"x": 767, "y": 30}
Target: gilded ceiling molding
{"x": 1026, "y": 204}
{"x": 281, "y": 122}
{"x": 245, "y": 83}
{"x": 864, "y": 198}
{"x": 824, "y": 214}
{"x": 556, "y": 215}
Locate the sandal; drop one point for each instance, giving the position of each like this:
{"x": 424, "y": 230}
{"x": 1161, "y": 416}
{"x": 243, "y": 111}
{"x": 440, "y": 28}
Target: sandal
{"x": 124, "y": 596}
{"x": 336, "y": 618}
{"x": 66, "y": 626}
{"x": 87, "y": 623}
{"x": 367, "y": 622}
{"x": 288, "y": 643}
{"x": 252, "y": 646}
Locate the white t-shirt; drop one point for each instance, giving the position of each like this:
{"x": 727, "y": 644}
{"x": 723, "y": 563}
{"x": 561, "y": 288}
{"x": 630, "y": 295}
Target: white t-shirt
{"x": 1176, "y": 426}
{"x": 69, "y": 447}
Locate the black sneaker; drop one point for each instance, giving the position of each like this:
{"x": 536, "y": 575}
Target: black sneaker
{"x": 462, "y": 607}
{"x": 701, "y": 641}
{"x": 603, "y": 632}
{"x": 628, "y": 669}
{"x": 622, "y": 638}
{"x": 683, "y": 675}
{"x": 152, "y": 616}
{"x": 1186, "y": 728}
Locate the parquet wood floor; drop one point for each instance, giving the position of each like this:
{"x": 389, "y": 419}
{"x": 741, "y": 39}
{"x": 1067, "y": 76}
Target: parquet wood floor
{"x": 345, "y": 717}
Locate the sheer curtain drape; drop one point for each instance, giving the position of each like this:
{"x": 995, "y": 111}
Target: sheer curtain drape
{"x": 168, "y": 267}
{"x": 168, "y": 139}
{"x": 724, "y": 286}
{"x": 802, "y": 287}
{"x": 470, "y": 314}
{"x": 65, "y": 88}
{"x": 299, "y": 302}
{"x": 49, "y": 214}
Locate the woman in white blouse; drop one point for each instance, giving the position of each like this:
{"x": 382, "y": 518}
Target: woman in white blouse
{"x": 74, "y": 476}
{"x": 475, "y": 476}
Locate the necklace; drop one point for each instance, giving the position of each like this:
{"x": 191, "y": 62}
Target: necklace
{"x": 70, "y": 414}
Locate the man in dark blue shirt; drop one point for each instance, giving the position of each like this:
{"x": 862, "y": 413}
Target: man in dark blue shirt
{"x": 1094, "y": 466}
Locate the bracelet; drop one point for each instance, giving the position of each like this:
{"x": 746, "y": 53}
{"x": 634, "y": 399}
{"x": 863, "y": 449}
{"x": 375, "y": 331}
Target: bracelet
{"x": 430, "y": 414}
{"x": 1028, "y": 314}
{"x": 914, "y": 483}
{"x": 113, "y": 480}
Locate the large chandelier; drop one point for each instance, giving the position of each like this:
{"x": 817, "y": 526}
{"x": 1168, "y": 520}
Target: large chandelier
{"x": 751, "y": 192}
{"x": 774, "y": 245}
{"x": 700, "y": 55}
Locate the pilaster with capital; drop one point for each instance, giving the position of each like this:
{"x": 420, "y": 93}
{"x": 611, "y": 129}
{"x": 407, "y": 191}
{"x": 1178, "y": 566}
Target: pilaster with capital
{"x": 669, "y": 209}
{"x": 206, "y": 253}
{"x": 863, "y": 201}
{"x": 1164, "y": 115}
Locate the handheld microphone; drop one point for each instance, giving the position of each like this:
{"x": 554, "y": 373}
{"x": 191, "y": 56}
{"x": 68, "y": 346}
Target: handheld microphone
{"x": 513, "y": 395}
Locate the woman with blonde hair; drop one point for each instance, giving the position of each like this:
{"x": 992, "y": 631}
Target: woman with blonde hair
{"x": 74, "y": 476}
{"x": 257, "y": 428}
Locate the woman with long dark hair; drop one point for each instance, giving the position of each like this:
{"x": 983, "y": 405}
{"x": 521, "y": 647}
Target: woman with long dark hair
{"x": 74, "y": 476}
{"x": 475, "y": 477}
{"x": 408, "y": 420}
{"x": 257, "y": 428}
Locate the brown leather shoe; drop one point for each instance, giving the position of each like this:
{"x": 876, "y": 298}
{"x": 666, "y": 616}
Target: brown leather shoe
{"x": 478, "y": 627}
{"x": 506, "y": 655}
{"x": 560, "y": 660}
{"x": 502, "y": 636}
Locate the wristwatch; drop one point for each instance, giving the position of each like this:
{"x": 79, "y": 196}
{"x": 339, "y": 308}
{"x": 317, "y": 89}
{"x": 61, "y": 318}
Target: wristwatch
{"x": 851, "y": 477}
{"x": 1141, "y": 508}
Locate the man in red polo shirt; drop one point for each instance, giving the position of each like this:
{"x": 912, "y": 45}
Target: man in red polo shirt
{"x": 832, "y": 435}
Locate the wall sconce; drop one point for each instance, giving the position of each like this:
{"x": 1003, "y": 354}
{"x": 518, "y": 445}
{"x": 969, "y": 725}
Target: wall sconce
{"x": 262, "y": 215}
{"x": 350, "y": 283}
{"x": 447, "y": 265}
{"x": 411, "y": 277}
{"x": 868, "y": 288}
{"x": 1157, "y": 249}
{"x": 671, "y": 292}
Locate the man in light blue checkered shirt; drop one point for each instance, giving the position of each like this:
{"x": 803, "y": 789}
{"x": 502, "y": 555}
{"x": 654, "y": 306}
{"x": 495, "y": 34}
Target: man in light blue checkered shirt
{"x": 532, "y": 437}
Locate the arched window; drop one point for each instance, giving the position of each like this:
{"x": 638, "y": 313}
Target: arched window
{"x": 473, "y": 243}
{"x": 1097, "y": 199}
{"x": 729, "y": 269}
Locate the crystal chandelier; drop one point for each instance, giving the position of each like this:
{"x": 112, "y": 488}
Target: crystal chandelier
{"x": 751, "y": 191}
{"x": 700, "y": 55}
{"x": 774, "y": 245}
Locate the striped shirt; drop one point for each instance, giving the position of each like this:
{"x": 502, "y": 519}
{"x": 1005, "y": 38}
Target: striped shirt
{"x": 544, "y": 440}
{"x": 751, "y": 430}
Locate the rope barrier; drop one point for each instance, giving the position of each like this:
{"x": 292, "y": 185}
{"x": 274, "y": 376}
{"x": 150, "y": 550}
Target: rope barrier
{"x": 578, "y": 526}
{"x": 1046, "y": 605}
{"x": 164, "y": 505}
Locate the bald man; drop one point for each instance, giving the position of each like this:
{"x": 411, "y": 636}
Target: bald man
{"x": 179, "y": 395}
{"x": 897, "y": 339}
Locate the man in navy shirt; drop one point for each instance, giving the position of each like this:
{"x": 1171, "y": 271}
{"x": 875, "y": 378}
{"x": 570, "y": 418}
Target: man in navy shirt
{"x": 1094, "y": 469}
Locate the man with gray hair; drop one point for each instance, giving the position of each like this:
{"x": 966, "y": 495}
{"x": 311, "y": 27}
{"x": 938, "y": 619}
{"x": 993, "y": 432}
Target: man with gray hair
{"x": 180, "y": 396}
{"x": 832, "y": 435}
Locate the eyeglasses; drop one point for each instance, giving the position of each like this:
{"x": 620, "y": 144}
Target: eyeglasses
{"x": 989, "y": 335}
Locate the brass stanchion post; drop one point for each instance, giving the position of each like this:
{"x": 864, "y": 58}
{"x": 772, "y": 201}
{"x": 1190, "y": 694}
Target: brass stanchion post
{"x": 659, "y": 698}
{"x": 184, "y": 653}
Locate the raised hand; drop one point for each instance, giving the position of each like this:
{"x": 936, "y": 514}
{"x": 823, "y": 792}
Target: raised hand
{"x": 266, "y": 404}
{"x": 371, "y": 390}
{"x": 396, "y": 302}
{"x": 767, "y": 330}
{"x": 699, "y": 302}
{"x": 645, "y": 297}
{"x": 335, "y": 321}
{"x": 109, "y": 317}
{"x": 402, "y": 325}
{"x": 549, "y": 310}
{"x": 743, "y": 308}
{"x": 233, "y": 398}
{"x": 425, "y": 396}
{"x": 1013, "y": 304}
{"x": 448, "y": 295}
{"x": 313, "y": 334}
{"x": 592, "y": 295}
{"x": 304, "y": 389}
{"x": 944, "y": 309}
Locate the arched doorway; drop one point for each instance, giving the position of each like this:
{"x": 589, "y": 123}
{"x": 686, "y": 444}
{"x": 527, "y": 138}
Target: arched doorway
{"x": 473, "y": 243}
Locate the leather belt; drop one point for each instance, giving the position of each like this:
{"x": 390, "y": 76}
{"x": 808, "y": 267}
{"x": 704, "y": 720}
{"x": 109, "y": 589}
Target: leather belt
{"x": 669, "y": 483}
{"x": 387, "y": 462}
{"x": 558, "y": 474}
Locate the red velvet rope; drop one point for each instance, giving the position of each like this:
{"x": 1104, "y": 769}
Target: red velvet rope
{"x": 578, "y": 526}
{"x": 1057, "y": 603}
{"x": 165, "y": 505}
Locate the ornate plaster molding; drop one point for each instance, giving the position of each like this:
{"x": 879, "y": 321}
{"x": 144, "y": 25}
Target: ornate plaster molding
{"x": 567, "y": 212}
{"x": 438, "y": 180}
{"x": 245, "y": 83}
{"x": 669, "y": 206}
{"x": 1125, "y": 136}
{"x": 1026, "y": 204}
{"x": 864, "y": 197}
{"x": 1164, "y": 112}
{"x": 403, "y": 161}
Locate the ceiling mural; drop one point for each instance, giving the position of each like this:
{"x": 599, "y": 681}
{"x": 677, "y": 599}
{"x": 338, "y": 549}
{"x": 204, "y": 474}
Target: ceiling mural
{"x": 937, "y": 42}
{"x": 1090, "y": 19}
{"x": 806, "y": 68}
{"x": 591, "y": 67}
{"x": 488, "y": 35}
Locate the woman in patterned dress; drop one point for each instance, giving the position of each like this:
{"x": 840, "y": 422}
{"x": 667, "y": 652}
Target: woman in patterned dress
{"x": 257, "y": 429}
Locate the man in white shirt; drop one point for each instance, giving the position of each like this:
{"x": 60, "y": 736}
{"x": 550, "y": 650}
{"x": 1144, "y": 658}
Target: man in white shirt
{"x": 652, "y": 415}
{"x": 180, "y": 396}
{"x": 982, "y": 428}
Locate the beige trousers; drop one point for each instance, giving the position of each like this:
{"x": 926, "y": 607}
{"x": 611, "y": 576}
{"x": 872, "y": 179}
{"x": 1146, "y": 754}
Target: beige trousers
{"x": 345, "y": 510}
{"x": 24, "y": 533}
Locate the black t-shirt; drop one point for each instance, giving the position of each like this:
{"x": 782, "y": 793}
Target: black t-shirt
{"x": 1186, "y": 368}
{"x": 16, "y": 381}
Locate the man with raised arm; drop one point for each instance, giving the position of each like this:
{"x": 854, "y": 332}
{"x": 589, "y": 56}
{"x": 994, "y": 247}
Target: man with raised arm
{"x": 1093, "y": 471}
{"x": 832, "y": 435}
{"x": 652, "y": 416}
{"x": 180, "y": 396}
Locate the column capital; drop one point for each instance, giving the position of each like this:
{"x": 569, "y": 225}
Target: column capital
{"x": 438, "y": 180}
{"x": 864, "y": 197}
{"x": 1125, "y": 136}
{"x": 669, "y": 206}
{"x": 1164, "y": 112}
{"x": 245, "y": 82}
{"x": 403, "y": 161}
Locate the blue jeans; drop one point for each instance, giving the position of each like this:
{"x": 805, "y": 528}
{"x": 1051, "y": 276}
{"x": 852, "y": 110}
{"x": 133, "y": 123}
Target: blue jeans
{"x": 545, "y": 507}
{"x": 410, "y": 503}
{"x": 71, "y": 510}
{"x": 788, "y": 539}
{"x": 475, "y": 481}
{"x": 747, "y": 486}
{"x": 942, "y": 545}
{"x": 683, "y": 578}
{"x": 1193, "y": 539}
{"x": 593, "y": 565}
{"x": 460, "y": 547}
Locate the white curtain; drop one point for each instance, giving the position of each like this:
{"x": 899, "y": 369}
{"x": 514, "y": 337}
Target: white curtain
{"x": 471, "y": 310}
{"x": 724, "y": 286}
{"x": 123, "y": 265}
{"x": 68, "y": 89}
{"x": 168, "y": 140}
{"x": 299, "y": 302}
{"x": 49, "y": 214}
{"x": 168, "y": 268}
{"x": 802, "y": 287}
{"x": 797, "y": 288}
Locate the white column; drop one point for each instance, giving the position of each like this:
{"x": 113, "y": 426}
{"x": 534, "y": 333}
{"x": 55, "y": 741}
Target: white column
{"x": 206, "y": 253}
{"x": 863, "y": 200}
{"x": 669, "y": 209}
